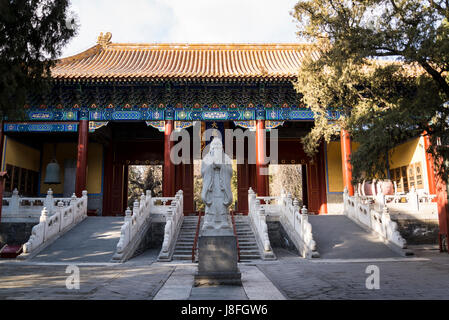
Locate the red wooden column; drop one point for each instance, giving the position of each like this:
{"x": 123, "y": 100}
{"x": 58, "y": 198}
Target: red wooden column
{"x": 346, "y": 150}
{"x": 184, "y": 181}
{"x": 443, "y": 215}
{"x": 261, "y": 166}
{"x": 168, "y": 183}
{"x": 81, "y": 164}
{"x": 430, "y": 165}
{"x": 322, "y": 178}
{"x": 3, "y": 175}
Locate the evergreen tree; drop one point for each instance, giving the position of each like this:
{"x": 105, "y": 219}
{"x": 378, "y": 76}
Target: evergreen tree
{"x": 32, "y": 35}
{"x": 383, "y": 64}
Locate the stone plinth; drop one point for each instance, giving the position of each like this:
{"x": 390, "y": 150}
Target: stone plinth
{"x": 217, "y": 259}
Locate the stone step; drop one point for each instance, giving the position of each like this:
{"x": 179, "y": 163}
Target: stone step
{"x": 184, "y": 244}
{"x": 248, "y": 245}
{"x": 249, "y": 256}
{"x": 249, "y": 251}
{"x": 250, "y": 237}
{"x": 182, "y": 257}
{"x": 182, "y": 252}
{"x": 247, "y": 241}
{"x": 246, "y": 233}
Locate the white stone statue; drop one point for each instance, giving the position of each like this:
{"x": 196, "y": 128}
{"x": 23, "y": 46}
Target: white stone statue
{"x": 216, "y": 170}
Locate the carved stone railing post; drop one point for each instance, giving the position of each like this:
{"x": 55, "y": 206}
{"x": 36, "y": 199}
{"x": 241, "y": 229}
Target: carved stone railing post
{"x": 49, "y": 201}
{"x": 128, "y": 215}
{"x": 180, "y": 195}
{"x": 282, "y": 197}
{"x": 15, "y": 201}
{"x": 264, "y": 230}
{"x": 413, "y": 200}
{"x": 168, "y": 231}
{"x": 295, "y": 210}
{"x": 74, "y": 206}
{"x": 142, "y": 201}
{"x": 251, "y": 200}
{"x": 44, "y": 215}
{"x": 289, "y": 199}
{"x": 304, "y": 210}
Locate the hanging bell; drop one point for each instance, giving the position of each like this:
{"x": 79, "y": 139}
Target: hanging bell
{"x": 52, "y": 173}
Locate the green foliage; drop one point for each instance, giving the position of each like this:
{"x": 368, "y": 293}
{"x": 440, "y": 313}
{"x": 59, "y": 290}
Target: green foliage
{"x": 141, "y": 179}
{"x": 383, "y": 64}
{"x": 286, "y": 177}
{"x": 32, "y": 35}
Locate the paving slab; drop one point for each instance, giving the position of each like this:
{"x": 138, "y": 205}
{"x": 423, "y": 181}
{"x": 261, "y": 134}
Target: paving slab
{"x": 424, "y": 277}
{"x": 48, "y": 282}
{"x": 179, "y": 285}
{"x": 257, "y": 286}
{"x": 427, "y": 278}
{"x": 221, "y": 292}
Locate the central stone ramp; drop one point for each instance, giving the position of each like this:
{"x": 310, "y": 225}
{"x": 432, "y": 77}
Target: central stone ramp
{"x": 247, "y": 242}
{"x": 94, "y": 240}
{"x": 337, "y": 237}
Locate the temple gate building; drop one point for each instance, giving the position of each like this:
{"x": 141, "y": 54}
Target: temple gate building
{"x": 115, "y": 105}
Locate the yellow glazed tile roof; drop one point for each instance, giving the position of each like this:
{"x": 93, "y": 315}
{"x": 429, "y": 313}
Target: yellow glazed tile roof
{"x": 109, "y": 60}
{"x": 131, "y": 61}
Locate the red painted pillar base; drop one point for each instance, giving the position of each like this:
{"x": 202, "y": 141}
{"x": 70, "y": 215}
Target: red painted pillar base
{"x": 168, "y": 183}
{"x": 345, "y": 141}
{"x": 81, "y": 163}
{"x": 261, "y": 166}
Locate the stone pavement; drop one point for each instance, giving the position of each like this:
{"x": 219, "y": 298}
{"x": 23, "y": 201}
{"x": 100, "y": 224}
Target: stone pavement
{"x": 425, "y": 276}
{"x": 93, "y": 240}
{"x": 337, "y": 237}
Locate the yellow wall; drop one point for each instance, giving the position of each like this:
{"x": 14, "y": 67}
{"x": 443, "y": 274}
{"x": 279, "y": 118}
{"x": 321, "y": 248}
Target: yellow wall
{"x": 20, "y": 155}
{"x": 69, "y": 151}
{"x": 410, "y": 152}
{"x": 406, "y": 153}
{"x": 403, "y": 155}
{"x": 334, "y": 173}
{"x": 334, "y": 166}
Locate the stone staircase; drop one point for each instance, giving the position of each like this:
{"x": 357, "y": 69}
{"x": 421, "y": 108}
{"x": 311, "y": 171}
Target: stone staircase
{"x": 184, "y": 243}
{"x": 247, "y": 242}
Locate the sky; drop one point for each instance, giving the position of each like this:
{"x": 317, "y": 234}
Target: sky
{"x": 183, "y": 21}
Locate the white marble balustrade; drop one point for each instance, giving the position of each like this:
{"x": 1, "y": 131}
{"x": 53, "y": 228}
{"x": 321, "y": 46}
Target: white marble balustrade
{"x": 377, "y": 220}
{"x": 65, "y": 216}
{"x": 24, "y": 209}
{"x": 290, "y": 215}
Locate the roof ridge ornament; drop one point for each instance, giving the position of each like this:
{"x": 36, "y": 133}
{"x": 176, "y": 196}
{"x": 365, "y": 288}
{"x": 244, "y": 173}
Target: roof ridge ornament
{"x": 104, "y": 40}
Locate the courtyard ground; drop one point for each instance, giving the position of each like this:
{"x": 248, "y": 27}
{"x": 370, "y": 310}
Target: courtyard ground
{"x": 424, "y": 276}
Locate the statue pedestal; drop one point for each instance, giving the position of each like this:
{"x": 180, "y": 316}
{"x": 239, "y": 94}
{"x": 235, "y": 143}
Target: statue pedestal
{"x": 217, "y": 259}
